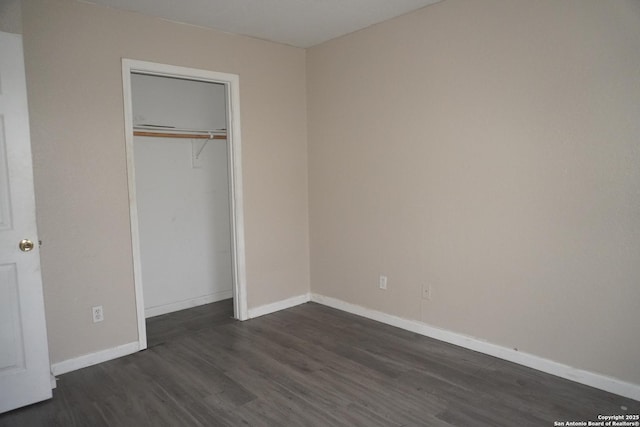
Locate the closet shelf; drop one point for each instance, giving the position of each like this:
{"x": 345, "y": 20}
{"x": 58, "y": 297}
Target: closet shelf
{"x": 168, "y": 132}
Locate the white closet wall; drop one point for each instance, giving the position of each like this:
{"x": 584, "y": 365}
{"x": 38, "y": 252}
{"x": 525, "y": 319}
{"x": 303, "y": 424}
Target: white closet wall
{"x": 182, "y": 201}
{"x": 181, "y": 103}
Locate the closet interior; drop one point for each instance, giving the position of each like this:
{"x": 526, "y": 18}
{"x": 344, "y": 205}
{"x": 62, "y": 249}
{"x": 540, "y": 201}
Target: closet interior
{"x": 182, "y": 191}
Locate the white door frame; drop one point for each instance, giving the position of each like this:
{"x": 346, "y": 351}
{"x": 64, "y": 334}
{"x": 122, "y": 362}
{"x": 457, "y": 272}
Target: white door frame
{"x": 231, "y": 81}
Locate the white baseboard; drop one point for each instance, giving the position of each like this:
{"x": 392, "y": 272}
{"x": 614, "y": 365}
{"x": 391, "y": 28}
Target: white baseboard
{"x": 189, "y": 303}
{"x": 278, "y": 305}
{"x": 93, "y": 358}
{"x": 602, "y": 382}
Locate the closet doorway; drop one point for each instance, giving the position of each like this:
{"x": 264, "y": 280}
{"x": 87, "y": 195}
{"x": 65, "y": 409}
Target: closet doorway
{"x": 184, "y": 174}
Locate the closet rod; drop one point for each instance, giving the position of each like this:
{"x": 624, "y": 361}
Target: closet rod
{"x": 179, "y": 135}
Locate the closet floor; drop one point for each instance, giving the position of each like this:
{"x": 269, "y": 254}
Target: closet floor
{"x": 308, "y": 366}
{"x": 171, "y": 327}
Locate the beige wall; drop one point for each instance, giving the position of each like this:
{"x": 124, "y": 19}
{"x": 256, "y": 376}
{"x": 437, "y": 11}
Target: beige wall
{"x": 490, "y": 149}
{"x": 73, "y": 57}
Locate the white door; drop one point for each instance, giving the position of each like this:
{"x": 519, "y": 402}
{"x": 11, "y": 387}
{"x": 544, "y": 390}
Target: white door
{"x": 24, "y": 355}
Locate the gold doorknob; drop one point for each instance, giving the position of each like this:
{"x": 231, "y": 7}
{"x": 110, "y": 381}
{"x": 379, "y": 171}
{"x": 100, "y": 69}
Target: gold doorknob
{"x": 26, "y": 245}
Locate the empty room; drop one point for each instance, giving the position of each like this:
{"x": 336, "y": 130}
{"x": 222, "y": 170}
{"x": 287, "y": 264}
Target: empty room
{"x": 320, "y": 213}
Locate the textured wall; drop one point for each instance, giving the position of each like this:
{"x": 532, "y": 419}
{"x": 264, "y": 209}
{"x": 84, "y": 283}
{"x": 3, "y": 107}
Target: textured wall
{"x": 73, "y": 56}
{"x": 490, "y": 149}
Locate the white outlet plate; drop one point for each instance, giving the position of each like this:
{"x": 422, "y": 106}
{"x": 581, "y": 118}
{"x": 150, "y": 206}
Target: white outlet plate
{"x": 426, "y": 292}
{"x": 98, "y": 314}
{"x": 382, "y": 283}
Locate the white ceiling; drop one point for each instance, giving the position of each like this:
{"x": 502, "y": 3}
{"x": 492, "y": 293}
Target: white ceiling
{"x": 301, "y": 23}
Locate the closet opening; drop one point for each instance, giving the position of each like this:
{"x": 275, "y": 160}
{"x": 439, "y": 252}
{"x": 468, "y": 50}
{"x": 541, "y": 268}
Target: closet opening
{"x": 184, "y": 174}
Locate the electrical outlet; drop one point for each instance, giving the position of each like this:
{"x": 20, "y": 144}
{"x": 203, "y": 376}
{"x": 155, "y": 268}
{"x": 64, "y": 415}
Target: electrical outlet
{"x": 426, "y": 292}
{"x": 382, "y": 283}
{"x": 98, "y": 314}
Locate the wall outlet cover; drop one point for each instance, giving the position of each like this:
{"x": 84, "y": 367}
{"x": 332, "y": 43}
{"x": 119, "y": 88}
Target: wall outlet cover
{"x": 426, "y": 292}
{"x": 97, "y": 313}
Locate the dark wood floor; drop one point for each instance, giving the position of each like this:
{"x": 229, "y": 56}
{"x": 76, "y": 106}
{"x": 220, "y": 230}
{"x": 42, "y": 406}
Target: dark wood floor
{"x": 308, "y": 366}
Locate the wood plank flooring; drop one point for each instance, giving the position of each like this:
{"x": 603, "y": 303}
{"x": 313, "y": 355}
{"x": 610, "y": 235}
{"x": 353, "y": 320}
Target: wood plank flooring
{"x": 308, "y": 366}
